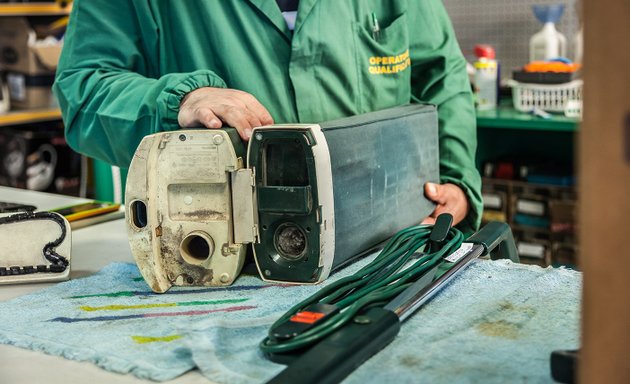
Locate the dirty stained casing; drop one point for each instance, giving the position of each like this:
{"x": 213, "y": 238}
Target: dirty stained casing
{"x": 310, "y": 198}
{"x": 25, "y": 243}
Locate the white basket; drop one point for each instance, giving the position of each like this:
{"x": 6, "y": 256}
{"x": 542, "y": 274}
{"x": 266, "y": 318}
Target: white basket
{"x": 548, "y": 97}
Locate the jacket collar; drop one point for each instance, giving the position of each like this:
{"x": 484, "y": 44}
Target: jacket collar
{"x": 304, "y": 9}
{"x": 270, "y": 10}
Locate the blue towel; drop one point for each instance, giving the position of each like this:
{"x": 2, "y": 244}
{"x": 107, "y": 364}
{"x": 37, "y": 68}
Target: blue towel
{"x": 497, "y": 322}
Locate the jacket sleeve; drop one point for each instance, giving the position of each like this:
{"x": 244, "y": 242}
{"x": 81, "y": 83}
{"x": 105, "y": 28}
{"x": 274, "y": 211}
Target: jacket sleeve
{"x": 439, "y": 77}
{"x": 108, "y": 83}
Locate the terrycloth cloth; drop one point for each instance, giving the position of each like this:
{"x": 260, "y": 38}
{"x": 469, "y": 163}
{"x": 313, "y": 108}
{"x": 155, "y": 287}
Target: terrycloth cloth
{"x": 497, "y": 322}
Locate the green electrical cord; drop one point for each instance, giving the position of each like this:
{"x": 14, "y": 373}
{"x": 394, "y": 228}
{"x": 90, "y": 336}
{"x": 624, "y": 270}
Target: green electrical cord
{"x": 391, "y": 272}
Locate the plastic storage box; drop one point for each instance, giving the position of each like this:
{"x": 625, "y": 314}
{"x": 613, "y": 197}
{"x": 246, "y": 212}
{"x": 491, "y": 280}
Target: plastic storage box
{"x": 548, "y": 97}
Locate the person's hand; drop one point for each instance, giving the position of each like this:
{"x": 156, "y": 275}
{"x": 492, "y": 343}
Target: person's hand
{"x": 214, "y": 107}
{"x": 449, "y": 199}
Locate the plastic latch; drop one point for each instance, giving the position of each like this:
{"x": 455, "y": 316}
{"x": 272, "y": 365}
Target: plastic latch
{"x": 439, "y": 232}
{"x": 303, "y": 321}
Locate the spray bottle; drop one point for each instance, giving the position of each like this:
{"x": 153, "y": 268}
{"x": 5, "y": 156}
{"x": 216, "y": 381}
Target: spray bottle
{"x": 548, "y": 43}
{"x": 486, "y": 77}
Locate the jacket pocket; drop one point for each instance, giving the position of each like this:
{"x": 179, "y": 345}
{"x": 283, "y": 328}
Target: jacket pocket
{"x": 383, "y": 65}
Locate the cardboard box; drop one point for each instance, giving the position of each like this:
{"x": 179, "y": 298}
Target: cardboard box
{"x": 21, "y": 50}
{"x": 31, "y": 91}
{"x": 39, "y": 159}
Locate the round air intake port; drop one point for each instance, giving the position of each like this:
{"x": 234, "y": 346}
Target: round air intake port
{"x": 290, "y": 241}
{"x": 196, "y": 247}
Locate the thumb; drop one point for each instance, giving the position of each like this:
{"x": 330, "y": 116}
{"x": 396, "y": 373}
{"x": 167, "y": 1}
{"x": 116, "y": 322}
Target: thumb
{"x": 433, "y": 191}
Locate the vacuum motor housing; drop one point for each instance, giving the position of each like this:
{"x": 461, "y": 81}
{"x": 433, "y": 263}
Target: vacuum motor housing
{"x": 328, "y": 193}
{"x": 310, "y": 198}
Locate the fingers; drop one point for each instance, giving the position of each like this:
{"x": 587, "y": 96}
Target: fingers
{"x": 439, "y": 209}
{"x": 217, "y": 107}
{"x": 449, "y": 199}
{"x": 429, "y": 220}
{"x": 240, "y": 118}
{"x": 257, "y": 109}
{"x": 199, "y": 116}
{"x": 435, "y": 193}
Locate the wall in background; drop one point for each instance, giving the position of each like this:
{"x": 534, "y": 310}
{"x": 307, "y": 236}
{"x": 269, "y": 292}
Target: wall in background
{"x": 506, "y": 25}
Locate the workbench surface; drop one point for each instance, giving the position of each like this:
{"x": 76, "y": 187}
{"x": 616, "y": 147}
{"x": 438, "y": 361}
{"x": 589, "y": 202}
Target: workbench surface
{"x": 509, "y": 323}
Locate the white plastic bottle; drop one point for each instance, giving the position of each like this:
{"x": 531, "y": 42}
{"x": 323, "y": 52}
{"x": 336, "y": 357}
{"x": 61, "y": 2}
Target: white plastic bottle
{"x": 548, "y": 43}
{"x": 486, "y": 77}
{"x": 578, "y": 50}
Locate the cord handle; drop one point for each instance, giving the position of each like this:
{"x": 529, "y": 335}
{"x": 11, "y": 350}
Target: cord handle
{"x": 497, "y": 240}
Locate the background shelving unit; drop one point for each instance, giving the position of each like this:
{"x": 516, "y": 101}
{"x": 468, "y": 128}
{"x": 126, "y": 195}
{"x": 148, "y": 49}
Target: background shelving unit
{"x": 35, "y": 135}
{"x": 35, "y": 9}
{"x": 506, "y": 117}
{"x": 29, "y": 116}
{"x": 505, "y": 133}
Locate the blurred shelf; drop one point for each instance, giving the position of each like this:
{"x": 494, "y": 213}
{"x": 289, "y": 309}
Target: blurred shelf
{"x": 506, "y": 117}
{"x": 34, "y": 9}
{"x": 531, "y": 230}
{"x": 527, "y": 184}
{"x": 29, "y": 116}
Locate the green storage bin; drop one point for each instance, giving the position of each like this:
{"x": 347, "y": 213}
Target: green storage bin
{"x": 108, "y": 187}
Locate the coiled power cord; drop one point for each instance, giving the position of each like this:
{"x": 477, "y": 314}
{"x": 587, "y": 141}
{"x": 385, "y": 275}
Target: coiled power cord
{"x": 399, "y": 265}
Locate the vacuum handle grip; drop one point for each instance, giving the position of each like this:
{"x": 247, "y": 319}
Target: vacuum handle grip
{"x": 497, "y": 240}
{"x": 335, "y": 357}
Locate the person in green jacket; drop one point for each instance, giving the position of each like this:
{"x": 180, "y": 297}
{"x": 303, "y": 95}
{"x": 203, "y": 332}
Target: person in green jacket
{"x": 133, "y": 68}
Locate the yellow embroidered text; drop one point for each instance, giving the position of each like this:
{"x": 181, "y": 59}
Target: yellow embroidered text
{"x": 380, "y": 65}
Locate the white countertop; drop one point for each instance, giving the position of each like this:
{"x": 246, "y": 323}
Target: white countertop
{"x": 92, "y": 248}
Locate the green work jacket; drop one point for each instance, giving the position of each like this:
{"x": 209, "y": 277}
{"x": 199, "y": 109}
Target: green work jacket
{"x": 127, "y": 64}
